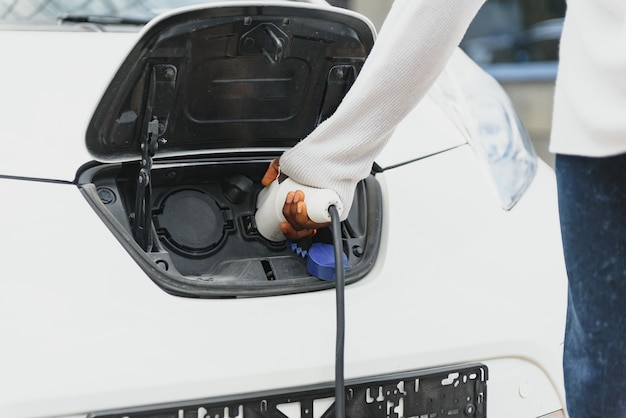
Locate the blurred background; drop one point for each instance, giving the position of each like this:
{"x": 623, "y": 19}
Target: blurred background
{"x": 516, "y": 41}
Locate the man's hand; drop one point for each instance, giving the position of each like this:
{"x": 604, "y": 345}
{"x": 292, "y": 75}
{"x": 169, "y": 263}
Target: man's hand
{"x": 298, "y": 224}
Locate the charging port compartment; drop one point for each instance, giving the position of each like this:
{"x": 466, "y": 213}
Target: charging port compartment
{"x": 205, "y": 242}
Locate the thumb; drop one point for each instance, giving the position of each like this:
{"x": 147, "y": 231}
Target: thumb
{"x": 271, "y": 173}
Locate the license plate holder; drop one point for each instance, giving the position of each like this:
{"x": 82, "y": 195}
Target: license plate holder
{"x": 434, "y": 393}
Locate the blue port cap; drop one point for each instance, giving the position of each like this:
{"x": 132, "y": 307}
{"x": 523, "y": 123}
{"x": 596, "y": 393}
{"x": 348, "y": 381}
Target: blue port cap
{"x": 321, "y": 261}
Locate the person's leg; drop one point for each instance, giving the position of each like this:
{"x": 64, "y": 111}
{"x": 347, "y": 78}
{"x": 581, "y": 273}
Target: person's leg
{"x": 592, "y": 208}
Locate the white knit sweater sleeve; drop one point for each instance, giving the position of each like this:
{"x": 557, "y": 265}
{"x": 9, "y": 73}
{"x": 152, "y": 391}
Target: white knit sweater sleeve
{"x": 415, "y": 42}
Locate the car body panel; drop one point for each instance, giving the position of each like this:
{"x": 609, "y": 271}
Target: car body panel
{"x": 102, "y": 329}
{"x": 50, "y": 112}
{"x": 427, "y": 130}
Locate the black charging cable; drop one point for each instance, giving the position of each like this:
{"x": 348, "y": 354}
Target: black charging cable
{"x": 340, "y": 397}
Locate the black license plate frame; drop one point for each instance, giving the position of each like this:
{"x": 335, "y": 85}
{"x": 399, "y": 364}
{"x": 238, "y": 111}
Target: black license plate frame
{"x": 459, "y": 391}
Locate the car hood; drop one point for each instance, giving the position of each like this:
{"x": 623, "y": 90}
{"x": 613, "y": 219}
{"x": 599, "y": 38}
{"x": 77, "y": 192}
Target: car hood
{"x": 49, "y": 93}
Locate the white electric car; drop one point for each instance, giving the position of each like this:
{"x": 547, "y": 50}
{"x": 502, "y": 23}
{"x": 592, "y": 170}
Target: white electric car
{"x": 135, "y": 282}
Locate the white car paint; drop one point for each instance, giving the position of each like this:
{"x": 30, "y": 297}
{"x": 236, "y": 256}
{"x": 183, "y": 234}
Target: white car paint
{"x": 98, "y": 334}
{"x": 53, "y": 95}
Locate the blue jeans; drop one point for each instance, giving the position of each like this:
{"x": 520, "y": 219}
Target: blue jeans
{"x": 592, "y": 208}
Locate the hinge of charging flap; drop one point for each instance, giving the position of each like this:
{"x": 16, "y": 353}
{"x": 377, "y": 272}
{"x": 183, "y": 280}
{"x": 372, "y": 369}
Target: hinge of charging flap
{"x": 160, "y": 98}
{"x": 142, "y": 226}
